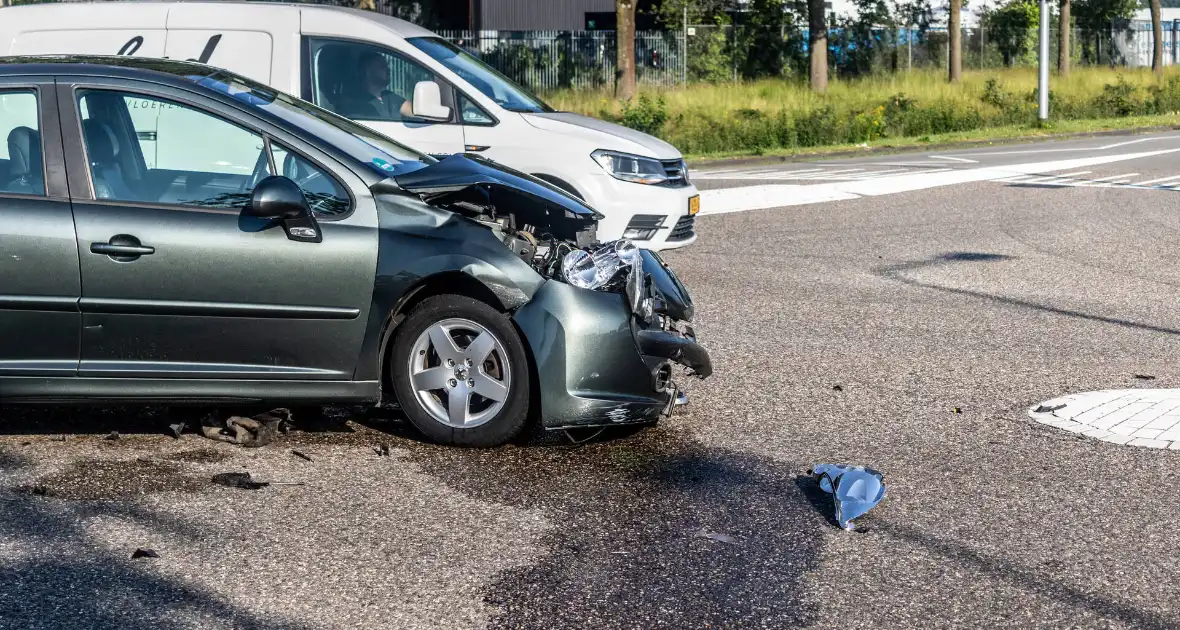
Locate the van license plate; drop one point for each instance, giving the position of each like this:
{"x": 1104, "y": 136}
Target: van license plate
{"x": 694, "y": 205}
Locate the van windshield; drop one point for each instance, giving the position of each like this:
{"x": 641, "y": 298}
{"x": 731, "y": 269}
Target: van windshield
{"x": 483, "y": 77}
{"x": 375, "y": 151}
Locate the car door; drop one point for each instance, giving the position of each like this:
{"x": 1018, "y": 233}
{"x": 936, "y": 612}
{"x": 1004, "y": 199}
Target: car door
{"x": 39, "y": 281}
{"x": 374, "y": 86}
{"x": 176, "y": 283}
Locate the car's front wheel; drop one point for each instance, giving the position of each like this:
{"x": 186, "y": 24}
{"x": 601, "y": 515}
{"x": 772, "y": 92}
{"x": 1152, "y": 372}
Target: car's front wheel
{"x": 460, "y": 372}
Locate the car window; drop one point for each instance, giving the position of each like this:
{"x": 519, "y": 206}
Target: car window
{"x": 21, "y": 169}
{"x": 473, "y": 114}
{"x": 152, "y": 150}
{"x": 324, "y": 194}
{"x": 365, "y": 82}
{"x": 483, "y": 77}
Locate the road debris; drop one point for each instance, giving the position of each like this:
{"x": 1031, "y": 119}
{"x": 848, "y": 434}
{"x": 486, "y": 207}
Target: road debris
{"x": 113, "y": 435}
{"x": 681, "y": 399}
{"x": 837, "y": 388}
{"x": 301, "y": 455}
{"x": 177, "y": 429}
{"x": 1144, "y": 377}
{"x": 723, "y": 538}
{"x": 238, "y": 480}
{"x": 252, "y": 432}
{"x": 1048, "y": 408}
{"x": 382, "y": 451}
{"x": 956, "y": 410}
{"x": 855, "y": 489}
{"x": 144, "y": 553}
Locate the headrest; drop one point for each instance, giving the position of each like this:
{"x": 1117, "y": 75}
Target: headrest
{"x": 101, "y": 144}
{"x": 24, "y": 151}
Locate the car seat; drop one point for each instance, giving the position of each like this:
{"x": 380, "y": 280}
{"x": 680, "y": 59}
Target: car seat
{"x": 25, "y": 174}
{"x": 102, "y": 149}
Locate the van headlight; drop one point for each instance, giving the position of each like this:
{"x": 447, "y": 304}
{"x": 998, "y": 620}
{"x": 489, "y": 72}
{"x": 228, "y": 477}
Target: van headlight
{"x": 631, "y": 168}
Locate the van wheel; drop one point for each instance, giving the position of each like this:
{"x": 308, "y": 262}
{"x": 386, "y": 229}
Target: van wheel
{"x": 460, "y": 373}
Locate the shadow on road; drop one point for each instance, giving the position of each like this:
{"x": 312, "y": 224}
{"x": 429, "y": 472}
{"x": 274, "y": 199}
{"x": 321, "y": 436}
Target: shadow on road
{"x": 46, "y": 583}
{"x": 654, "y": 530}
{"x": 897, "y": 273}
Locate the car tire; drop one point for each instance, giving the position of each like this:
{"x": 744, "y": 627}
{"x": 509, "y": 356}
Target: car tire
{"x": 428, "y": 376}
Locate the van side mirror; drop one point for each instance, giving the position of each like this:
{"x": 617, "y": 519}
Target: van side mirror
{"x": 427, "y": 103}
{"x": 280, "y": 198}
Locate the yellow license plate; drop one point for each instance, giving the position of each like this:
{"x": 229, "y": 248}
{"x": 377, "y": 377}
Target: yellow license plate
{"x": 694, "y": 205}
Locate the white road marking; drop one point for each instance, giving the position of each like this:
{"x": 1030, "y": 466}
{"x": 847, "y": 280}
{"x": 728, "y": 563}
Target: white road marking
{"x": 1137, "y": 417}
{"x": 780, "y": 195}
{"x": 1156, "y": 181}
{"x": 955, "y": 159}
{"x": 1106, "y": 182}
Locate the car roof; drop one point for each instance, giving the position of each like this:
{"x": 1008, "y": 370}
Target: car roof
{"x": 397, "y": 26}
{"x": 169, "y": 71}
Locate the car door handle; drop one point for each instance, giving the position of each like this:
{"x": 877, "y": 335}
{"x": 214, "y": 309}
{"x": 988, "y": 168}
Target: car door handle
{"x": 122, "y": 247}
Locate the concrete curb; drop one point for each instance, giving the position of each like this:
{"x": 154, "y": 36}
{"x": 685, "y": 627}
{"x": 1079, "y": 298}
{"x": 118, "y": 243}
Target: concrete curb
{"x": 754, "y": 160}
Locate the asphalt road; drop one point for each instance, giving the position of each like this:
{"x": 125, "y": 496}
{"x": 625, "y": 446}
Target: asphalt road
{"x": 984, "y": 297}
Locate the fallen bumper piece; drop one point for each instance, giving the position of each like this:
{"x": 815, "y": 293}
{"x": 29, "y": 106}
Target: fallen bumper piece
{"x": 255, "y": 431}
{"x": 855, "y": 490}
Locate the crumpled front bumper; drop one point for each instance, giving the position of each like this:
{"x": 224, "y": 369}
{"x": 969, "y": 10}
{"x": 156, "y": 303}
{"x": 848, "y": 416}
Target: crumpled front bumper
{"x": 600, "y": 362}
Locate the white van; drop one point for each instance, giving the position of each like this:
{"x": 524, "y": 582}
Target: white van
{"x": 399, "y": 79}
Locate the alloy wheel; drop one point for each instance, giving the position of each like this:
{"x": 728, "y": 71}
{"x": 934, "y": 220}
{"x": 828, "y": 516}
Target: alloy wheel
{"x": 460, "y": 373}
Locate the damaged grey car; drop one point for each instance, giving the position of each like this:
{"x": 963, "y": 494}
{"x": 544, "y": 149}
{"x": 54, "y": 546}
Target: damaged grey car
{"x": 174, "y": 233}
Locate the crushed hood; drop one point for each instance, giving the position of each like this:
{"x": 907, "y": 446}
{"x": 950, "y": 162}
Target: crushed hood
{"x": 603, "y": 135}
{"x": 459, "y": 172}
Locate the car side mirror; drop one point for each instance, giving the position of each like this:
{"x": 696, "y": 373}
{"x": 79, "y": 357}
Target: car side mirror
{"x": 427, "y": 103}
{"x": 280, "y": 198}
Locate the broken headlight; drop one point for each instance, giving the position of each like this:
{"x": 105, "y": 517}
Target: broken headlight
{"x": 596, "y": 269}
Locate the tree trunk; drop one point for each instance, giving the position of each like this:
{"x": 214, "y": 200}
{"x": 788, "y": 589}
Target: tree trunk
{"x": 955, "y": 33}
{"x": 1157, "y": 47}
{"x": 817, "y": 45}
{"x": 1063, "y": 32}
{"x": 625, "y": 33}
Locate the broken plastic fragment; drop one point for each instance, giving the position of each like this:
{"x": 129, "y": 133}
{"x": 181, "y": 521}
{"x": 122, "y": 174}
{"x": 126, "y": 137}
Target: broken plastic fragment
{"x": 1144, "y": 377}
{"x": 114, "y": 435}
{"x": 238, "y": 480}
{"x": 1048, "y": 408}
{"x": 837, "y": 388}
{"x": 382, "y": 451}
{"x": 255, "y": 431}
{"x": 681, "y": 399}
{"x": 144, "y": 553}
{"x": 300, "y": 455}
{"x": 177, "y": 429}
{"x": 855, "y": 489}
{"x": 724, "y": 538}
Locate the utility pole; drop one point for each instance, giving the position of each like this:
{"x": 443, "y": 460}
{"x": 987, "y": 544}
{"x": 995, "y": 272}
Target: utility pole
{"x": 684, "y": 51}
{"x": 909, "y": 38}
{"x": 1043, "y": 65}
{"x": 982, "y": 39}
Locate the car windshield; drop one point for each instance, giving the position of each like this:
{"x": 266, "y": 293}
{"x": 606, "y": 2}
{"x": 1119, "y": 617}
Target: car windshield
{"x": 375, "y": 151}
{"x": 494, "y": 85}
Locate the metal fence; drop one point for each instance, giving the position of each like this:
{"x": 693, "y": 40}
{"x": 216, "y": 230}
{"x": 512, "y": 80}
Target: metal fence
{"x": 548, "y": 60}
{"x": 545, "y": 60}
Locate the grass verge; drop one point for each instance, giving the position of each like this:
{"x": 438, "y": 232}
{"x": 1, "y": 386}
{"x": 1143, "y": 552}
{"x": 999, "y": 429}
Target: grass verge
{"x": 780, "y": 117}
{"x": 985, "y": 136}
